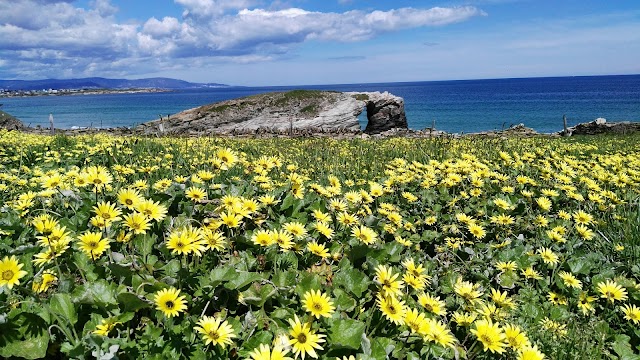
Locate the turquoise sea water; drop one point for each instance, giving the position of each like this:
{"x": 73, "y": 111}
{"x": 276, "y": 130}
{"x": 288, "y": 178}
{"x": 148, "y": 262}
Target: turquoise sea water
{"x": 456, "y": 106}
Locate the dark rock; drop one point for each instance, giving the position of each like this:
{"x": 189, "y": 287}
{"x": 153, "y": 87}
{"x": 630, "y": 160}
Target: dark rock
{"x": 9, "y": 122}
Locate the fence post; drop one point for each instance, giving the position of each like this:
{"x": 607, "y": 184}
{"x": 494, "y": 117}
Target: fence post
{"x": 53, "y": 130}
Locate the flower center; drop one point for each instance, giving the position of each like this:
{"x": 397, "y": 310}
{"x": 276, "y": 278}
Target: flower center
{"x": 93, "y": 244}
{"x": 214, "y": 335}
{"x": 317, "y": 306}
{"x": 128, "y": 202}
{"x": 302, "y": 338}
{"x": 7, "y": 275}
{"x": 169, "y": 304}
{"x": 486, "y": 339}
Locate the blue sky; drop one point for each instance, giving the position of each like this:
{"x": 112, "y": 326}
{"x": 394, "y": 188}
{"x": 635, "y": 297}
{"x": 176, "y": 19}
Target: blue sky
{"x": 295, "y": 42}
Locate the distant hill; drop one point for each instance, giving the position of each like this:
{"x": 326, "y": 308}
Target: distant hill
{"x": 102, "y": 83}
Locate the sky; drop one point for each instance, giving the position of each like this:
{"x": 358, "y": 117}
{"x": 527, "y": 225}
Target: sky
{"x": 305, "y": 42}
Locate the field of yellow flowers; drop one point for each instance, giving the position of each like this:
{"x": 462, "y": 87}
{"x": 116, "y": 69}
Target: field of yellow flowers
{"x": 205, "y": 248}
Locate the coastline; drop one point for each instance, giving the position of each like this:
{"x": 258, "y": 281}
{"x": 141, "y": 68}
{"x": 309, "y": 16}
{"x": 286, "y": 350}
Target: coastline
{"x": 72, "y": 92}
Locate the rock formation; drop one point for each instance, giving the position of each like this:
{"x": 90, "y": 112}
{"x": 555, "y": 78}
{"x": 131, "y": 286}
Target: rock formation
{"x": 293, "y": 111}
{"x": 9, "y": 122}
{"x": 384, "y": 111}
{"x": 601, "y": 126}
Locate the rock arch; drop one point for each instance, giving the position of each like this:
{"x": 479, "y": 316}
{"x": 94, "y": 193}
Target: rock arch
{"x": 385, "y": 111}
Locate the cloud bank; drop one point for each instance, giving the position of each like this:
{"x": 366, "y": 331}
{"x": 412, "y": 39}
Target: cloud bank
{"x": 47, "y": 38}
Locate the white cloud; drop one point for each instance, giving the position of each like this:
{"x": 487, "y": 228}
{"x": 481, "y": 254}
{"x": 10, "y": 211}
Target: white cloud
{"x": 71, "y": 39}
{"x": 208, "y": 8}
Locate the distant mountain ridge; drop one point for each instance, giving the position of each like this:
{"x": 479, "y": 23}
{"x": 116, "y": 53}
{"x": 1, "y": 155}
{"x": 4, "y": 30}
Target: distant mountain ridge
{"x": 103, "y": 83}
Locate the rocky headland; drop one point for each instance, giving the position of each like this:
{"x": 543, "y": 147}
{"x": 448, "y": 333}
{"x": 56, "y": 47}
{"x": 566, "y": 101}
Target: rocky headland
{"x": 297, "y": 111}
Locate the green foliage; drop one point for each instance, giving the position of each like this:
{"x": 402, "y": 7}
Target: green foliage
{"x": 430, "y": 195}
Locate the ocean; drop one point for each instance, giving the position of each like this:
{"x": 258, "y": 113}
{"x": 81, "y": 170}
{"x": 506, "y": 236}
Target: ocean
{"x": 461, "y": 106}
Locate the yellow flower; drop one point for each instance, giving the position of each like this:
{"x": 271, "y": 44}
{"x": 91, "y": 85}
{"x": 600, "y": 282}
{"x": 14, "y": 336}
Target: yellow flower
{"x": 544, "y": 203}
{"x": 318, "y": 304}
{"x": 416, "y": 321}
{"x": 505, "y": 266}
{"x": 263, "y": 352}
{"x": 105, "y": 326}
{"x": 107, "y": 211}
{"x": 611, "y": 291}
{"x": 283, "y": 239}
{"x": 304, "y": 340}
{"x": 388, "y": 280}
{"x": 502, "y": 299}
{"x": 467, "y": 290}
{"x": 262, "y": 238}
{"x": 318, "y": 249}
{"x": 439, "y": 333}
{"x": 152, "y": 210}
{"x": 584, "y": 303}
{"x": 631, "y": 313}
{"x": 195, "y": 193}
{"x": 230, "y": 219}
{"x": 186, "y": 240}
{"x": 170, "y": 302}
{"x": 477, "y": 231}
{"x": 42, "y": 285}
{"x": 516, "y": 338}
{"x": 548, "y": 256}
{"x": 228, "y": 157}
{"x": 10, "y": 272}
{"x": 531, "y": 273}
{"x": 137, "y": 222}
{"x": 530, "y": 353}
{"x": 464, "y": 319}
{"x": 324, "y": 229}
{"x": 347, "y": 219}
{"x": 129, "y": 198}
{"x": 215, "y": 331}
{"x": 364, "y": 234}
{"x": 213, "y": 240}
{"x": 98, "y": 176}
{"x": 92, "y": 244}
{"x": 295, "y": 229}
{"x": 433, "y": 304}
{"x": 570, "y": 280}
{"x": 392, "y": 308}
{"x": 582, "y": 218}
{"x": 490, "y": 335}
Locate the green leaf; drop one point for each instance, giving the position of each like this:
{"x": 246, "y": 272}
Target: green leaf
{"x": 308, "y": 281}
{"x": 25, "y": 336}
{"x": 342, "y": 301}
{"x": 29, "y": 348}
{"x": 346, "y": 333}
{"x": 242, "y": 279}
{"x": 171, "y": 268}
{"x": 579, "y": 265}
{"x": 261, "y": 337}
{"x": 220, "y": 275}
{"x": 284, "y": 278}
{"x": 98, "y": 292}
{"x": 352, "y": 280}
{"x": 382, "y": 347}
{"x": 287, "y": 202}
{"x": 61, "y": 304}
{"x": 258, "y": 294}
{"x": 131, "y": 302}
